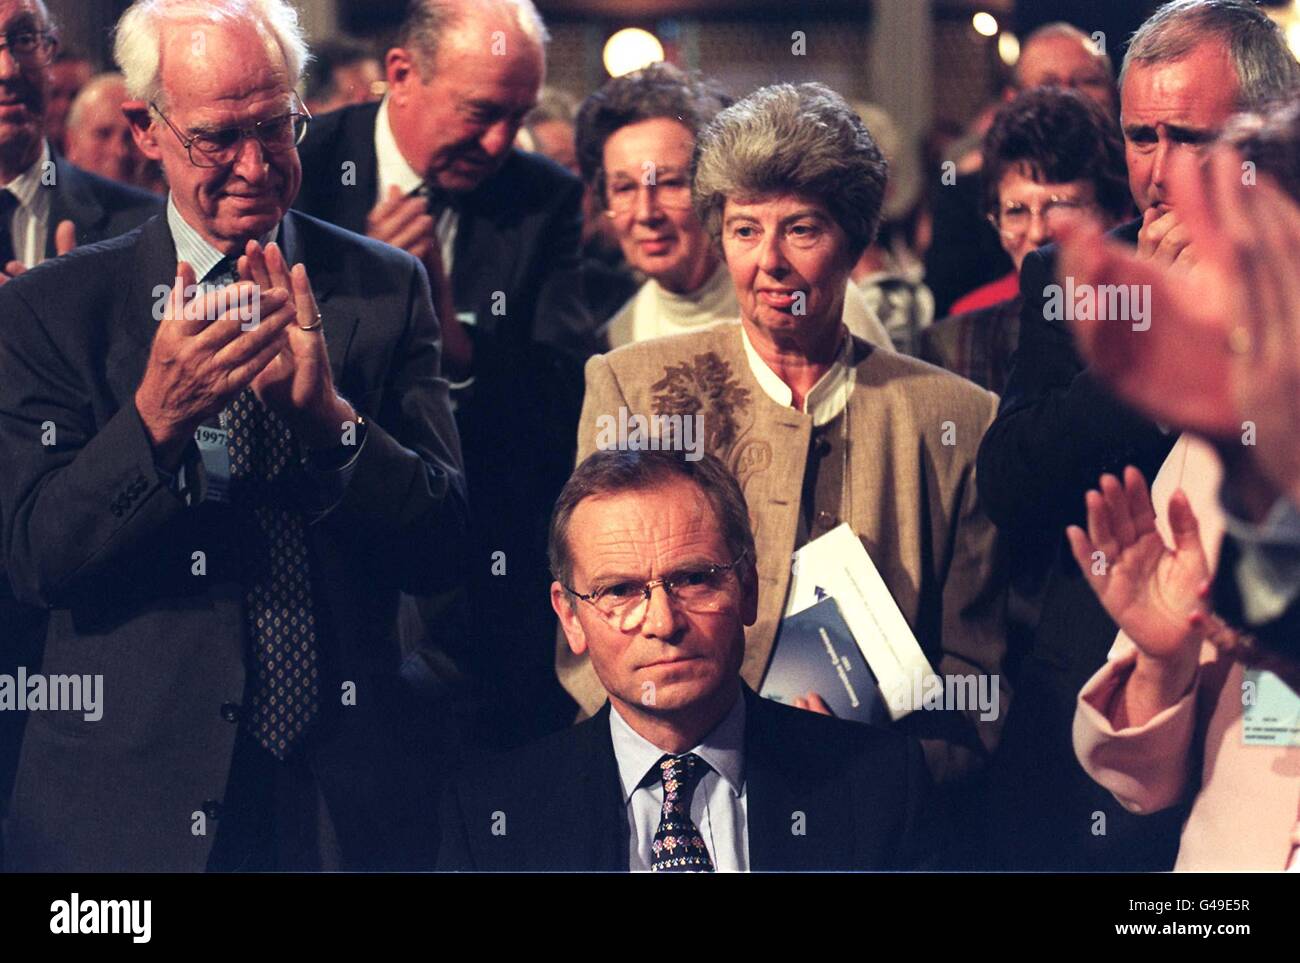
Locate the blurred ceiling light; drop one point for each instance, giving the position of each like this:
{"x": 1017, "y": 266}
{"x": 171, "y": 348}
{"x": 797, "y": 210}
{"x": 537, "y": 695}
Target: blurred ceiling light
{"x": 1293, "y": 37}
{"x": 985, "y": 24}
{"x": 1009, "y": 48}
{"x": 631, "y": 49}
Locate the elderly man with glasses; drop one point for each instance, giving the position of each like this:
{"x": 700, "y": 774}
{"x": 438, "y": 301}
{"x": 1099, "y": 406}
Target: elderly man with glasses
{"x": 228, "y": 450}
{"x": 684, "y": 768}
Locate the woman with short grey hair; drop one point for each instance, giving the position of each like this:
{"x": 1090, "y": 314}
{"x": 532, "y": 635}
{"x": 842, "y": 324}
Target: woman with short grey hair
{"x": 820, "y": 428}
{"x": 636, "y": 140}
{"x": 794, "y": 140}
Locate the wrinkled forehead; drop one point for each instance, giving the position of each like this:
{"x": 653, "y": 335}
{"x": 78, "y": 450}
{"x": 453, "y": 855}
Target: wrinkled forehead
{"x": 645, "y": 532}
{"x": 221, "y": 67}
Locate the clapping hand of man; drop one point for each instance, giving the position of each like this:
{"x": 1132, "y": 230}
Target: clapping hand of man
{"x": 201, "y": 359}
{"x": 65, "y": 240}
{"x": 297, "y": 382}
{"x": 1221, "y": 355}
{"x": 404, "y": 221}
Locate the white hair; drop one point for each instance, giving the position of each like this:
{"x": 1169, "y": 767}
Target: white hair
{"x": 138, "y": 36}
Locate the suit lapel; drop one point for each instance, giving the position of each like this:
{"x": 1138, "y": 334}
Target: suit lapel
{"x": 795, "y": 820}
{"x": 356, "y": 202}
{"x": 138, "y": 312}
{"x": 74, "y": 201}
{"x": 591, "y": 820}
{"x": 339, "y": 318}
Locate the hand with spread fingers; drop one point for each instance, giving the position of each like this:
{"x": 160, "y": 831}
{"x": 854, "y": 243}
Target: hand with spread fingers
{"x": 204, "y": 354}
{"x": 1222, "y": 352}
{"x": 297, "y": 383}
{"x": 1154, "y": 592}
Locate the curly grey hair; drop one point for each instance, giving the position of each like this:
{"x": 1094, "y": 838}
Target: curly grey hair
{"x": 788, "y": 139}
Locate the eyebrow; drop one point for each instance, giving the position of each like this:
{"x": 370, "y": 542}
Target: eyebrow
{"x": 1178, "y": 132}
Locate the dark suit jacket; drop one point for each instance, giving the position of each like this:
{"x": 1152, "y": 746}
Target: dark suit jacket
{"x": 864, "y": 794}
{"x": 519, "y": 232}
{"x": 99, "y": 209}
{"x": 1057, "y": 430}
{"x": 1282, "y": 635}
{"x": 519, "y": 235}
{"x": 93, "y": 534}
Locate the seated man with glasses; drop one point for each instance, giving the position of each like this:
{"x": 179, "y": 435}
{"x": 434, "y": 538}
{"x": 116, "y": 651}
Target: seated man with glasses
{"x": 220, "y": 508}
{"x": 684, "y": 768}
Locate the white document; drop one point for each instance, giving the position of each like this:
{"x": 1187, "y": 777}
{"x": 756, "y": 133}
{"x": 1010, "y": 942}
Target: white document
{"x": 836, "y": 564}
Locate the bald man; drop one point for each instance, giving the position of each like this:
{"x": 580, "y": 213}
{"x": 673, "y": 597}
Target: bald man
{"x": 98, "y": 136}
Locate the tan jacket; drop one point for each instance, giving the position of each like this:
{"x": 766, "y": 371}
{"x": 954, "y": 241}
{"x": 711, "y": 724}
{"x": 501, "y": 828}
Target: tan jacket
{"x": 912, "y": 500}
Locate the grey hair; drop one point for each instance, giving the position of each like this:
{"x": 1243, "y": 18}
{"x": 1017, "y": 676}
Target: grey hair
{"x": 1266, "y": 69}
{"x": 428, "y": 22}
{"x": 787, "y": 139}
{"x": 1060, "y": 28}
{"x": 137, "y": 41}
{"x": 615, "y": 472}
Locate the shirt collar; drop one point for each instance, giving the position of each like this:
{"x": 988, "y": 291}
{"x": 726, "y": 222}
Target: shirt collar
{"x": 723, "y": 749}
{"x": 393, "y": 166}
{"x": 828, "y": 396}
{"x": 27, "y": 185}
{"x": 194, "y": 249}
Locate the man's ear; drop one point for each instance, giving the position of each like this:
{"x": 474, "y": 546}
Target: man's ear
{"x": 402, "y": 72}
{"x": 749, "y": 594}
{"x": 567, "y": 612}
{"x": 143, "y": 130}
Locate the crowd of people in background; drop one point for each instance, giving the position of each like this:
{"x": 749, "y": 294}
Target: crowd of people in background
{"x": 365, "y": 585}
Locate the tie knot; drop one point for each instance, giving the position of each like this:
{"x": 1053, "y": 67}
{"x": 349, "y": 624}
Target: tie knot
{"x": 223, "y": 272}
{"x": 680, "y": 774}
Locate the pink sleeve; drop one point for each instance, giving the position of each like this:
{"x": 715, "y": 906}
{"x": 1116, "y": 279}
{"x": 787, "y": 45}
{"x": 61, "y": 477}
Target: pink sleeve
{"x": 1145, "y": 767}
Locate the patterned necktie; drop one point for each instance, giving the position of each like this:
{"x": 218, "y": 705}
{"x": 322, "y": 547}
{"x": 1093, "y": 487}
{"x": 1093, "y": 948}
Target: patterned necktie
{"x": 678, "y": 846}
{"x": 8, "y": 204}
{"x": 278, "y": 601}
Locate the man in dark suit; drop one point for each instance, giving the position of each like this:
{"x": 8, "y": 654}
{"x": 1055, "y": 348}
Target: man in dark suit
{"x": 684, "y": 768}
{"x": 1059, "y": 428}
{"x": 218, "y": 493}
{"x": 433, "y": 170}
{"x": 47, "y": 206}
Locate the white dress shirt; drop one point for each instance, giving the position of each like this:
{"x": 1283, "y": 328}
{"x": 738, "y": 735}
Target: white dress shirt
{"x": 30, "y": 225}
{"x": 396, "y": 171}
{"x": 718, "y": 806}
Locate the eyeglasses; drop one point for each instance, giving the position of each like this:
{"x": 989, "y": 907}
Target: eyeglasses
{"x": 30, "y": 46}
{"x": 700, "y": 589}
{"x": 671, "y": 194}
{"x": 1014, "y": 219}
{"x": 217, "y": 148}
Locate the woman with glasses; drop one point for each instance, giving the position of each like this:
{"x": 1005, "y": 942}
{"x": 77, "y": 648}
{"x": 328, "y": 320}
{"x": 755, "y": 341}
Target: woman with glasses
{"x": 819, "y": 427}
{"x": 1051, "y": 157}
{"x": 636, "y": 136}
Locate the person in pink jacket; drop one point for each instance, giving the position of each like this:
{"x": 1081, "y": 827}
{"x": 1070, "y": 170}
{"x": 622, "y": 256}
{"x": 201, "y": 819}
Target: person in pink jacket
{"x": 1163, "y": 719}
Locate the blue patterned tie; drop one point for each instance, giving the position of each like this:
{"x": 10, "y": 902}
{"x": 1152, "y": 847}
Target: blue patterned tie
{"x": 285, "y": 693}
{"x": 678, "y": 846}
